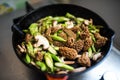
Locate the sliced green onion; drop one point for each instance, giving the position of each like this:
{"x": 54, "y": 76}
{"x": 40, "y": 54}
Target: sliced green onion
{"x": 93, "y": 38}
{"x": 90, "y": 52}
{"x": 58, "y": 38}
{"x": 98, "y": 50}
{"x": 52, "y": 50}
{"x": 33, "y": 28}
{"x": 49, "y": 61}
{"x": 25, "y": 30}
{"x": 70, "y": 16}
{"x": 27, "y": 58}
{"x": 56, "y": 58}
{"x": 41, "y": 65}
{"x": 64, "y": 66}
{"x": 60, "y": 19}
{"x": 30, "y": 49}
{"x": 93, "y": 48}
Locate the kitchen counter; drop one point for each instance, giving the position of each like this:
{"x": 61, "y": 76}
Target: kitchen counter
{"x": 11, "y": 67}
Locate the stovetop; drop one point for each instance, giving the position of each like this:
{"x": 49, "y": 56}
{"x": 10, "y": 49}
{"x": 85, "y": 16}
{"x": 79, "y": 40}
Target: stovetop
{"x": 11, "y": 67}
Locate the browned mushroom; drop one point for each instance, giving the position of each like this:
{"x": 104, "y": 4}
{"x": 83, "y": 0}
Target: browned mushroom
{"x": 68, "y": 53}
{"x": 87, "y": 43}
{"x": 70, "y": 33}
{"x": 47, "y": 34}
{"x": 78, "y": 45}
{"x": 39, "y": 56}
{"x": 84, "y": 60}
{"x": 75, "y": 29}
{"x": 28, "y": 37}
{"x": 100, "y": 40}
{"x": 63, "y": 35}
{"x": 70, "y": 42}
{"x": 58, "y": 44}
{"x": 85, "y": 32}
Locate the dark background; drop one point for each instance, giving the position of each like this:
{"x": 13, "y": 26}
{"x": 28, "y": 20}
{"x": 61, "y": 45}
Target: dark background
{"x": 10, "y": 66}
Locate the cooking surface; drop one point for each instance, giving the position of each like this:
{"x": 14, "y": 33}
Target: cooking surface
{"x": 11, "y": 67}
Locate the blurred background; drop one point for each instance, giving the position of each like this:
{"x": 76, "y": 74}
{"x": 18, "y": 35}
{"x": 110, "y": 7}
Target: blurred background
{"x": 10, "y": 66}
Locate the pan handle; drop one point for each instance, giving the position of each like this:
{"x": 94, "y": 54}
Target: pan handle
{"x": 49, "y": 77}
{"x": 17, "y": 30}
{"x": 29, "y": 7}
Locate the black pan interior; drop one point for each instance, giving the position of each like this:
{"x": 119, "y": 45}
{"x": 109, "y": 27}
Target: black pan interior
{"x": 61, "y": 10}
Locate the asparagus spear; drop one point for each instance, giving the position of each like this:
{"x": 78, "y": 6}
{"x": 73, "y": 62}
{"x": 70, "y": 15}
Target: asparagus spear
{"x": 64, "y": 66}
{"x": 33, "y": 28}
{"x": 41, "y": 65}
{"x": 56, "y": 58}
{"x": 27, "y": 59}
{"x": 58, "y": 38}
{"x": 49, "y": 61}
{"x": 52, "y": 50}
{"x": 30, "y": 49}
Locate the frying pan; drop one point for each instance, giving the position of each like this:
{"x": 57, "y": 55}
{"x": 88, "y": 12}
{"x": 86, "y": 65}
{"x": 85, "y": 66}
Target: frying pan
{"x": 61, "y": 10}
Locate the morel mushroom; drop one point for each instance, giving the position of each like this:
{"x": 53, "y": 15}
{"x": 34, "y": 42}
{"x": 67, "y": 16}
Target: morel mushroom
{"x": 69, "y": 53}
{"x": 100, "y": 40}
{"x": 78, "y": 45}
{"x": 84, "y": 60}
{"x": 39, "y": 56}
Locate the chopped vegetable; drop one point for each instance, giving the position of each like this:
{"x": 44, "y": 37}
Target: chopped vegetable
{"x": 90, "y": 54}
{"x": 58, "y": 38}
{"x": 60, "y": 19}
{"x": 70, "y": 16}
{"x": 49, "y": 61}
{"x": 27, "y": 58}
{"x": 30, "y": 49}
{"x": 56, "y": 58}
{"x": 41, "y": 65}
{"x": 33, "y": 28}
{"x": 93, "y": 29}
{"x": 52, "y": 50}
{"x": 64, "y": 66}
{"x": 93, "y": 48}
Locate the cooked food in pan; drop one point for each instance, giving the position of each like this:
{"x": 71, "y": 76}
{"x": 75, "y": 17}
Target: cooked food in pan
{"x": 62, "y": 44}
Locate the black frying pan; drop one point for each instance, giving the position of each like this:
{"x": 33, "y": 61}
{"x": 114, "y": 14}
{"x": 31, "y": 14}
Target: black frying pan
{"x": 61, "y": 10}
